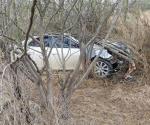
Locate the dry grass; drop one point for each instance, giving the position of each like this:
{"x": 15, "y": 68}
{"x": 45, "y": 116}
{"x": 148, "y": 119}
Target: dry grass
{"x": 116, "y": 104}
{"x": 93, "y": 103}
{"x": 96, "y": 102}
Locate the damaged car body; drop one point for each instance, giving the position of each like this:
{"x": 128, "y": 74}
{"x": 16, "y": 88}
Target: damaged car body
{"x": 117, "y": 56}
{"x": 108, "y": 63}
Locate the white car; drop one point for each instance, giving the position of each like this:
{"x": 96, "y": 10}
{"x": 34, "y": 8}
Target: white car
{"x": 69, "y": 51}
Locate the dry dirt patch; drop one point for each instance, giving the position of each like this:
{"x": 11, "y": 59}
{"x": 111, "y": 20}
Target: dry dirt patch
{"x": 117, "y": 104}
{"x": 98, "y": 103}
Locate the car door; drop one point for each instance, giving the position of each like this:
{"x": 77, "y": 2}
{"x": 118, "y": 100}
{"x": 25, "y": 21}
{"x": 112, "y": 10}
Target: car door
{"x": 34, "y": 51}
{"x": 53, "y": 52}
{"x": 63, "y": 53}
{"x": 52, "y": 48}
{"x": 58, "y": 53}
{"x": 71, "y": 52}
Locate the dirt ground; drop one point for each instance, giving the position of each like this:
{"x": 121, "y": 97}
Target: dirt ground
{"x": 103, "y": 102}
{"x": 114, "y": 104}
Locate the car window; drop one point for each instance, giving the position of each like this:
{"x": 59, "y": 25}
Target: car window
{"x": 55, "y": 41}
{"x": 48, "y": 41}
{"x": 69, "y": 43}
{"x": 66, "y": 43}
{"x": 34, "y": 43}
{"x": 58, "y": 42}
{"x": 74, "y": 44}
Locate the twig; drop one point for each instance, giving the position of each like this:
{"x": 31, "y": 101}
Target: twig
{"x": 95, "y": 59}
{"x": 30, "y": 25}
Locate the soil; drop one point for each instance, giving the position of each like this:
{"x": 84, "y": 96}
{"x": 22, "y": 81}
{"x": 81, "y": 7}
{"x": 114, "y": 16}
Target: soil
{"x": 114, "y": 104}
{"x": 108, "y": 102}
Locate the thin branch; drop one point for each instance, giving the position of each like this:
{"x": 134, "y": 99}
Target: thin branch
{"x": 50, "y": 19}
{"x": 103, "y": 21}
{"x": 95, "y": 59}
{"x": 30, "y": 25}
{"x": 69, "y": 84}
{"x": 70, "y": 11}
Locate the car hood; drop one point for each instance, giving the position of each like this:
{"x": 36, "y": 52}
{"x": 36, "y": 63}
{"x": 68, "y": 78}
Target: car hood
{"x": 103, "y": 52}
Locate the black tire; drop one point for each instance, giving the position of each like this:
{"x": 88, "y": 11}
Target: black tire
{"x": 102, "y": 69}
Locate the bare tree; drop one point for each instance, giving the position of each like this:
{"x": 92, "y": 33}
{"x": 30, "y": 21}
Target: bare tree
{"x": 59, "y": 113}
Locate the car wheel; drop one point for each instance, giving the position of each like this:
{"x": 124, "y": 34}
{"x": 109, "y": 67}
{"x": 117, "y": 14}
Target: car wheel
{"x": 102, "y": 68}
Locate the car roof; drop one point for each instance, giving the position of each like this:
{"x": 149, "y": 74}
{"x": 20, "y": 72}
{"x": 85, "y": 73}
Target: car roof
{"x": 65, "y": 34}
{"x": 54, "y": 34}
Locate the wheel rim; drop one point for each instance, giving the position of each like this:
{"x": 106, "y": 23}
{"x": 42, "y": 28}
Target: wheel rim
{"x": 101, "y": 69}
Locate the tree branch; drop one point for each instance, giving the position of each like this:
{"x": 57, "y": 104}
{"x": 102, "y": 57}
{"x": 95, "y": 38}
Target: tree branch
{"x": 30, "y": 25}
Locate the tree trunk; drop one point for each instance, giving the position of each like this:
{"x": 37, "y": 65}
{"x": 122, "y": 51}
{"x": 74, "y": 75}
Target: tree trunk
{"x": 146, "y": 49}
{"x": 64, "y": 113}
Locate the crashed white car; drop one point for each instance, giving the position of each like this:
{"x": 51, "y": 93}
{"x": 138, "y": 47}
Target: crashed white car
{"x": 69, "y": 51}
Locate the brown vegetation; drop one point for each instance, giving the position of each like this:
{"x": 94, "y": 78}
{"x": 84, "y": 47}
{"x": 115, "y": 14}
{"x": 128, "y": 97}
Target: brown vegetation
{"x": 29, "y": 96}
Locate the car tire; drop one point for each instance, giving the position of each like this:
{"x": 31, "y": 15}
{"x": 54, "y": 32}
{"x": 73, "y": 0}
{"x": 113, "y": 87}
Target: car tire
{"x": 102, "y": 69}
